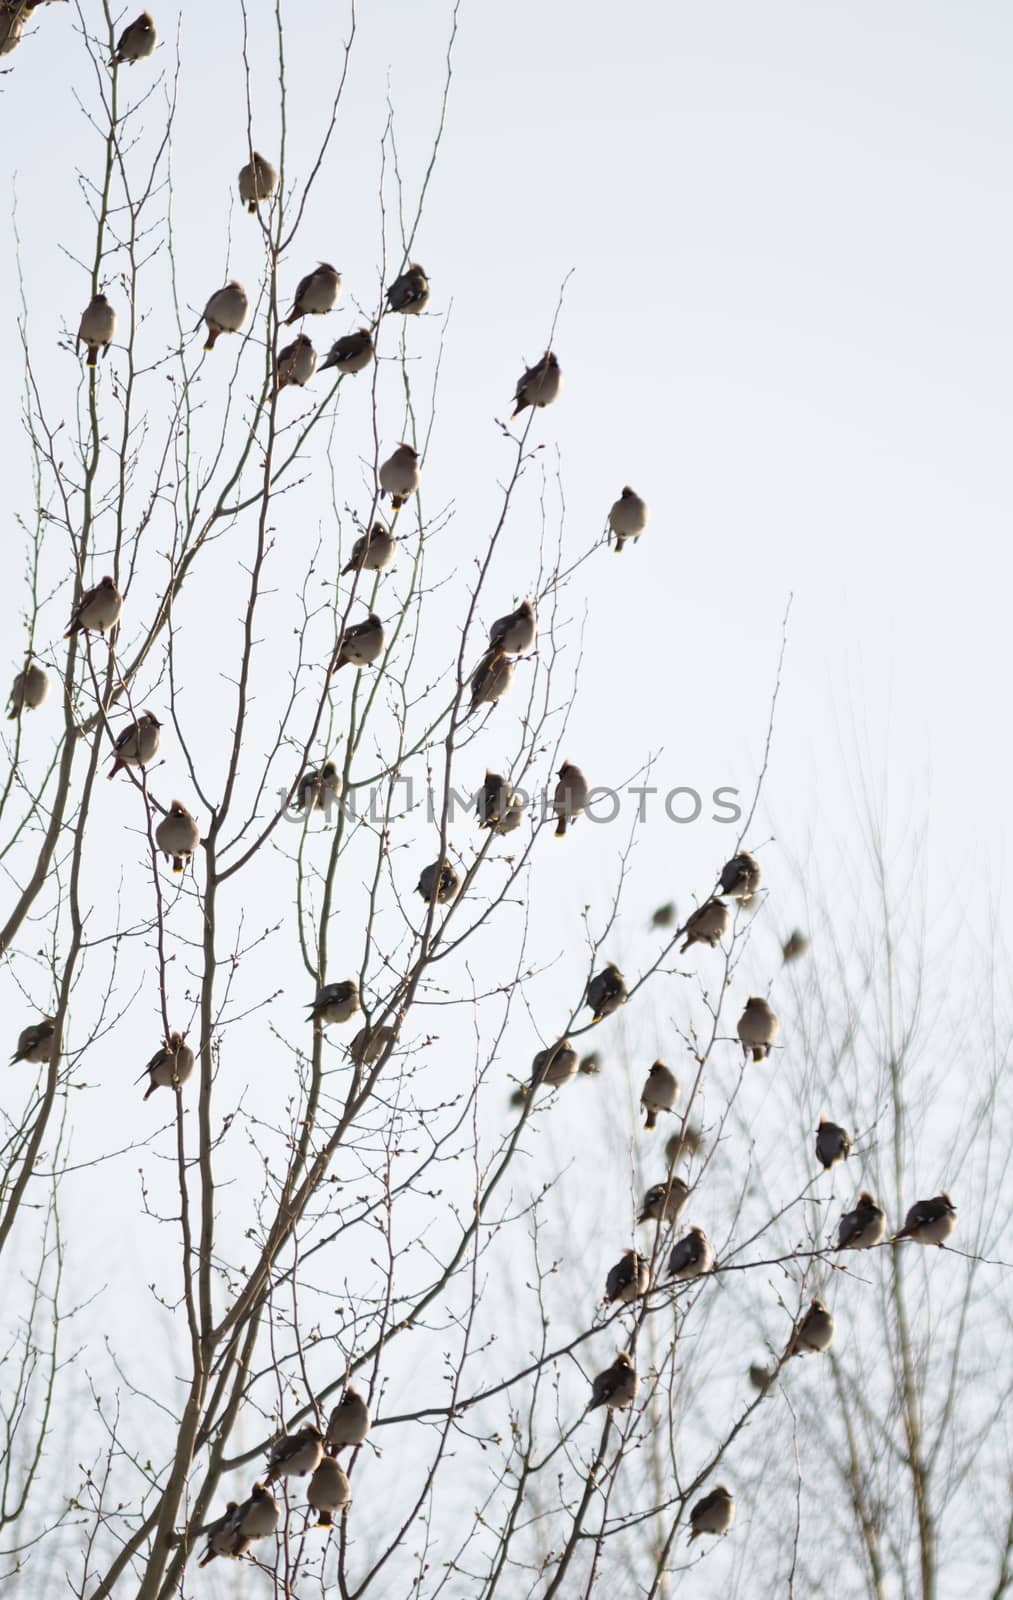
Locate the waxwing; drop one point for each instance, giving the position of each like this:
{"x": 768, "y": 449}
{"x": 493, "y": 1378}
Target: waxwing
{"x": 665, "y": 1202}
{"x": 371, "y": 551}
{"x": 833, "y": 1144}
{"x": 606, "y": 992}
{"x": 929, "y": 1221}
{"x": 570, "y": 796}
{"x": 136, "y": 41}
{"x": 515, "y": 632}
{"x": 98, "y": 609}
{"x": 138, "y": 744}
{"x": 740, "y": 877}
{"x": 242, "y": 1525}
{"x": 177, "y": 835}
{"x": 98, "y": 327}
{"x": 538, "y": 385}
{"x": 29, "y": 689}
{"x": 628, "y": 1279}
{"x": 757, "y": 1028}
{"x": 708, "y": 924}
{"x": 369, "y": 1044}
{"x": 319, "y": 789}
{"x": 713, "y": 1514}
{"x": 590, "y": 1065}
{"x": 815, "y": 1332}
{"x": 349, "y": 1422}
{"x": 335, "y": 1002}
{"x": 491, "y": 679}
{"x": 361, "y": 644}
{"x": 400, "y": 475}
{"x": 12, "y": 26}
{"x": 660, "y": 1093}
{"x": 617, "y": 1386}
{"x": 296, "y": 363}
{"x": 351, "y": 353}
{"x": 35, "y": 1043}
{"x": 554, "y": 1066}
{"x": 684, "y": 1143}
{"x": 628, "y": 518}
{"x": 494, "y": 800}
{"x": 295, "y": 1455}
{"x": 225, "y": 312}
{"x": 663, "y": 916}
{"x": 864, "y": 1227}
{"x": 691, "y": 1257}
{"x": 439, "y": 879}
{"x": 257, "y": 181}
{"x": 795, "y": 946}
{"x": 329, "y": 1491}
{"x": 410, "y": 292}
{"x": 316, "y": 294}
{"x": 172, "y": 1063}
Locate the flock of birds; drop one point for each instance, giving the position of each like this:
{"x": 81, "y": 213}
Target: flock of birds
{"x": 309, "y": 1452}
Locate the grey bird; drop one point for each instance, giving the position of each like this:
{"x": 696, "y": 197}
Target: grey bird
{"x": 833, "y": 1144}
{"x": 495, "y": 799}
{"x": 628, "y": 1279}
{"x": 349, "y": 1422}
{"x": 35, "y": 1043}
{"x": 172, "y": 1063}
{"x": 691, "y": 1257}
{"x": 399, "y": 475}
{"x": 295, "y": 1455}
{"x": 660, "y": 1093}
{"x": 757, "y": 1028}
{"x": 864, "y": 1227}
{"x": 177, "y": 835}
{"x": 570, "y": 797}
{"x": 138, "y": 744}
{"x": 740, "y": 877}
{"x": 316, "y": 294}
{"x": 795, "y": 945}
{"x": 225, "y": 312}
{"x": 329, "y": 1491}
{"x": 439, "y": 879}
{"x": 665, "y": 1202}
{"x": 28, "y": 691}
{"x": 98, "y": 609}
{"x": 319, "y": 788}
{"x": 371, "y": 551}
{"x": 222, "y": 1535}
{"x": 929, "y": 1221}
{"x": 554, "y": 1066}
{"x": 257, "y": 181}
{"x": 409, "y": 293}
{"x": 515, "y": 632}
{"x": 607, "y": 991}
{"x": 663, "y": 916}
{"x": 708, "y": 924}
{"x": 296, "y": 363}
{"x": 491, "y": 679}
{"x": 684, "y": 1143}
{"x": 242, "y": 1525}
{"x": 335, "y": 1002}
{"x": 617, "y": 1386}
{"x": 351, "y": 353}
{"x": 715, "y": 1513}
{"x": 136, "y": 42}
{"x": 628, "y": 517}
{"x": 538, "y": 385}
{"x": 814, "y": 1333}
{"x": 369, "y": 1044}
{"x": 361, "y": 644}
{"x": 97, "y": 328}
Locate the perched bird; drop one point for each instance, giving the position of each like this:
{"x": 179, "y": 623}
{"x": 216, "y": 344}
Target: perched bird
{"x": 35, "y": 1043}
{"x": 660, "y": 1093}
{"x": 554, "y": 1066}
{"x": 708, "y": 924}
{"x": 410, "y": 292}
{"x": 177, "y": 835}
{"x": 172, "y": 1063}
{"x": 316, "y": 294}
{"x": 351, "y": 353}
{"x": 98, "y": 609}
{"x": 864, "y": 1227}
{"x": 740, "y": 877}
{"x": 369, "y": 1044}
{"x": 663, "y": 916}
{"x": 515, "y": 632}
{"x": 929, "y": 1221}
{"x": 257, "y": 1517}
{"x": 361, "y": 644}
{"x": 590, "y": 1065}
{"x": 296, "y": 363}
{"x": 628, "y": 1279}
{"x": 795, "y": 946}
{"x": 138, "y": 744}
{"x": 757, "y": 1028}
{"x": 257, "y": 181}
{"x": 617, "y": 1386}
{"x": 691, "y": 1257}
{"x": 136, "y": 41}
{"x": 684, "y": 1143}
{"x": 570, "y": 796}
{"x": 538, "y": 385}
{"x": 296, "y": 1454}
{"x": 607, "y": 991}
{"x": 494, "y": 800}
{"x": 511, "y": 818}
{"x": 371, "y": 551}
{"x": 715, "y": 1513}
{"x": 29, "y": 689}
{"x": 665, "y": 1202}
{"x": 491, "y": 679}
{"x": 225, "y": 312}
{"x": 349, "y": 1422}
{"x": 760, "y": 1377}
{"x": 439, "y": 879}
{"x": 97, "y": 328}
{"x": 12, "y": 26}
{"x": 628, "y": 517}
{"x": 319, "y": 789}
{"x": 815, "y": 1332}
{"x": 335, "y": 1002}
{"x": 400, "y": 476}
{"x": 329, "y": 1491}
{"x": 833, "y": 1144}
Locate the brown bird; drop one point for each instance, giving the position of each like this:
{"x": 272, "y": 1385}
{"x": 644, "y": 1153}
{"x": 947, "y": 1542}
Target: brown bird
{"x": 570, "y": 797}
{"x": 515, "y": 632}
{"x": 371, "y": 551}
{"x": 607, "y": 991}
{"x": 685, "y": 1143}
{"x": 929, "y": 1221}
{"x": 794, "y": 946}
{"x": 815, "y": 1332}
{"x": 351, "y": 353}
{"x": 319, "y": 789}
{"x": 628, "y": 518}
{"x": 138, "y": 744}
{"x": 172, "y": 1063}
{"x": 757, "y": 1028}
{"x": 98, "y": 609}
{"x": 97, "y": 329}
{"x": 708, "y": 924}
{"x": 28, "y": 691}
{"x": 439, "y": 879}
{"x": 664, "y": 1202}
{"x": 257, "y": 181}
{"x": 35, "y": 1043}
{"x": 295, "y": 1455}
{"x": 225, "y": 312}
{"x": 833, "y": 1144}
{"x": 400, "y": 475}
{"x": 316, "y": 294}
{"x": 296, "y": 363}
{"x": 136, "y": 41}
{"x": 349, "y": 1422}
{"x": 740, "y": 877}
{"x": 864, "y": 1227}
{"x": 329, "y": 1491}
{"x": 617, "y": 1386}
{"x": 660, "y": 1093}
{"x": 361, "y": 644}
{"x": 554, "y": 1066}
{"x": 628, "y": 1279}
{"x": 242, "y": 1525}
{"x": 491, "y": 679}
{"x": 369, "y": 1044}
{"x": 177, "y": 835}
{"x": 691, "y": 1257}
{"x": 410, "y": 292}
{"x": 335, "y": 1002}
{"x": 538, "y": 385}
{"x": 663, "y": 916}
{"x": 715, "y": 1513}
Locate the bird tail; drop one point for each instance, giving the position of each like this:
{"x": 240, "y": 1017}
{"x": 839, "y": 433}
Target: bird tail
{"x": 761, "y": 1052}
{"x": 652, "y": 1118}
{"x": 694, "y": 1533}
{"x": 149, "y": 1091}
{"x": 116, "y": 767}
{"x": 397, "y": 501}
{"x": 252, "y": 208}
{"x": 209, "y": 342}
{"x": 325, "y": 1520}
{"x": 620, "y": 541}
{"x": 905, "y": 1233}
{"x": 518, "y": 409}
{"x": 292, "y": 317}
{"x": 177, "y": 863}
{"x": 13, "y": 716}
{"x": 205, "y": 1560}
{"x": 93, "y": 355}
{"x": 560, "y": 830}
